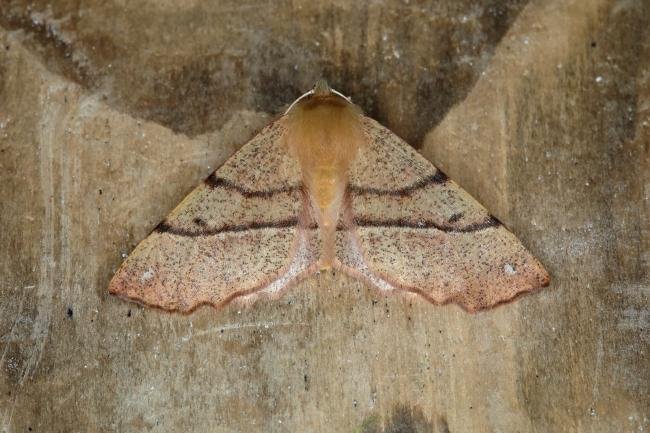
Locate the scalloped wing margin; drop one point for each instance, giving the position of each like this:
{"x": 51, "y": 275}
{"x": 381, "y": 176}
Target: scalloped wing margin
{"x": 409, "y": 228}
{"x": 244, "y": 232}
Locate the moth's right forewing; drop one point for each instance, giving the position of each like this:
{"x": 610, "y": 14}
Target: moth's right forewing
{"x": 411, "y": 228}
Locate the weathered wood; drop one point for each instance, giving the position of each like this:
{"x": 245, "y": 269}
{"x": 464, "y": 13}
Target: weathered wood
{"x": 547, "y": 125}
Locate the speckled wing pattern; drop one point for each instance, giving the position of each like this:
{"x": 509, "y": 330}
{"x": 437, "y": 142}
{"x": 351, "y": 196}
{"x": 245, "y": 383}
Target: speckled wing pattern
{"x": 408, "y": 227}
{"x": 238, "y": 234}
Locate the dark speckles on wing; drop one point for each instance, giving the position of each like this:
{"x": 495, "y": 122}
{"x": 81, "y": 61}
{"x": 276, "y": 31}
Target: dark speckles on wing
{"x": 200, "y": 222}
{"x": 434, "y": 179}
{"x": 432, "y": 203}
{"x": 214, "y": 181}
{"x": 389, "y": 165}
{"x": 261, "y": 167}
{"x": 455, "y": 217}
{"x": 222, "y": 206}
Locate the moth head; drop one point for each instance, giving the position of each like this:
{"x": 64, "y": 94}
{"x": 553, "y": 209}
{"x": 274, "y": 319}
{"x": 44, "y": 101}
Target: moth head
{"x": 321, "y": 88}
{"x": 319, "y": 93}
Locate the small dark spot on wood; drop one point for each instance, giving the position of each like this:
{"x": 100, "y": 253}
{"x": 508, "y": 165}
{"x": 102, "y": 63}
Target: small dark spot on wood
{"x": 69, "y": 313}
{"x": 403, "y": 418}
{"x": 593, "y": 44}
{"x": 443, "y": 425}
{"x": 100, "y": 191}
{"x": 128, "y": 313}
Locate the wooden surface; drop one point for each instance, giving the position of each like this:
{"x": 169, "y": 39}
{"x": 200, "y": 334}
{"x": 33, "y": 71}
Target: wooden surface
{"x": 110, "y": 114}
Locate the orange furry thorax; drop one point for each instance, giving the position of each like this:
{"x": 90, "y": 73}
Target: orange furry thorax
{"x": 324, "y": 134}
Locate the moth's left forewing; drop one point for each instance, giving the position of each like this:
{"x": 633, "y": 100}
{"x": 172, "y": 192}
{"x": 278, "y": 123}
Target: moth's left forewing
{"x": 239, "y": 234}
{"x": 409, "y": 227}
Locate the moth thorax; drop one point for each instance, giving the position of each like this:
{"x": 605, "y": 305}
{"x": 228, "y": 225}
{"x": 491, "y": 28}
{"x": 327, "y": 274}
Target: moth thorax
{"x": 326, "y": 185}
{"x": 324, "y": 134}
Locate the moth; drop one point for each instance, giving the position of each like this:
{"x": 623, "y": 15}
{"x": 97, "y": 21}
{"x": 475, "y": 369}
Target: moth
{"x": 325, "y": 187}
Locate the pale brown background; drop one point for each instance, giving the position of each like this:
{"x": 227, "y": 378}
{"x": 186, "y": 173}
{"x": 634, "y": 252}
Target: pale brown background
{"x": 111, "y": 111}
